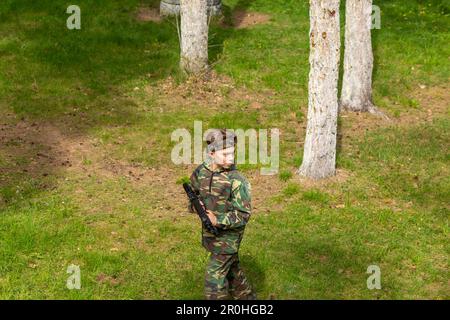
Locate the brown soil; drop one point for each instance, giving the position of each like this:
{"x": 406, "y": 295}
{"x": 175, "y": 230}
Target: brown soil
{"x": 245, "y": 19}
{"x": 263, "y": 188}
{"x": 146, "y": 14}
{"x": 210, "y": 91}
{"x": 51, "y": 152}
{"x": 42, "y": 146}
{"x": 433, "y": 102}
{"x": 340, "y": 177}
{"x": 242, "y": 19}
{"x": 46, "y": 149}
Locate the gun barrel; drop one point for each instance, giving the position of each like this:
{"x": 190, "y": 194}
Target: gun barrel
{"x": 201, "y": 212}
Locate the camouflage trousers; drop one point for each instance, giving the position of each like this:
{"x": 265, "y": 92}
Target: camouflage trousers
{"x": 224, "y": 279}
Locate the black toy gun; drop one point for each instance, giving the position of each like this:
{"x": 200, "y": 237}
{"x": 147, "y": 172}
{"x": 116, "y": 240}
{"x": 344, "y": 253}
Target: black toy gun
{"x": 200, "y": 209}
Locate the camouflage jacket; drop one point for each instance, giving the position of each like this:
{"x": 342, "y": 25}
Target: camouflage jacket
{"x": 226, "y": 193}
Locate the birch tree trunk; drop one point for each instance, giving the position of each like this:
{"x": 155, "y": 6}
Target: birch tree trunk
{"x": 194, "y": 36}
{"x": 319, "y": 159}
{"x": 358, "y": 57}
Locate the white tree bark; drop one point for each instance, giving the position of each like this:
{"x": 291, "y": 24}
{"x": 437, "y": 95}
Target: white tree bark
{"x": 319, "y": 159}
{"x": 194, "y": 36}
{"x": 358, "y": 57}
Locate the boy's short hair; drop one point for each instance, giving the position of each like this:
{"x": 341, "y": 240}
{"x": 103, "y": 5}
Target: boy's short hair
{"x": 219, "y": 139}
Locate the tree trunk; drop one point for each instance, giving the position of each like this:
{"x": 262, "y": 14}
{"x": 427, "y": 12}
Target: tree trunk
{"x": 358, "y": 57}
{"x": 172, "y": 7}
{"x": 194, "y": 36}
{"x": 319, "y": 159}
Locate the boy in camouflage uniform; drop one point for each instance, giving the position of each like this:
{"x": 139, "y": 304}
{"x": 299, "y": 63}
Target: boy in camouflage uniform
{"x": 225, "y": 194}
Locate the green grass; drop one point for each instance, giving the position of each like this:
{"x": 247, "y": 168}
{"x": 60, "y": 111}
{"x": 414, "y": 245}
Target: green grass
{"x": 132, "y": 242}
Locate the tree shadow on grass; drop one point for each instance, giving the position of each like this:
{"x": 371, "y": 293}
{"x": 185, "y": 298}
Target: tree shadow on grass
{"x": 98, "y": 63}
{"x": 62, "y": 83}
{"x": 254, "y": 272}
{"x": 226, "y": 28}
{"x": 320, "y": 269}
{"x": 193, "y": 281}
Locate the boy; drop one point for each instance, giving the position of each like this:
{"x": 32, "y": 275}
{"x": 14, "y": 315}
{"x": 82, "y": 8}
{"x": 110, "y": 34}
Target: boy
{"x": 225, "y": 194}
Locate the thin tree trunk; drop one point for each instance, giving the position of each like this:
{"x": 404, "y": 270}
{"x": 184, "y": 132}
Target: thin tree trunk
{"x": 194, "y": 36}
{"x": 358, "y": 57}
{"x": 319, "y": 159}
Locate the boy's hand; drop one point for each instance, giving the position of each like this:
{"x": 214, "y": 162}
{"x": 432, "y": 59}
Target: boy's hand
{"x": 212, "y": 217}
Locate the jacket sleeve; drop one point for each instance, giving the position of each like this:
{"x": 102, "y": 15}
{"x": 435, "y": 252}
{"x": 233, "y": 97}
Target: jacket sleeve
{"x": 240, "y": 210}
{"x": 195, "y": 187}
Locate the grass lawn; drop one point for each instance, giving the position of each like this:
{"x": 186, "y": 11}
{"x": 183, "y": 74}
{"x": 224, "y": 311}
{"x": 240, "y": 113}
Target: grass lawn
{"x": 86, "y": 178}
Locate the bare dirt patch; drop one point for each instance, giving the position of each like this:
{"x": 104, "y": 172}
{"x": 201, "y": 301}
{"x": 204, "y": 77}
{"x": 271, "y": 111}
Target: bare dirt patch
{"x": 40, "y": 147}
{"x": 263, "y": 188}
{"x": 145, "y": 14}
{"x": 39, "y": 150}
{"x": 340, "y": 177}
{"x": 211, "y": 91}
{"x": 246, "y": 19}
{"x": 433, "y": 102}
{"x": 242, "y": 19}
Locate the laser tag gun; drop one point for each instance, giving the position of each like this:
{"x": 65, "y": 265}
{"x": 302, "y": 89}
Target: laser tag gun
{"x": 200, "y": 209}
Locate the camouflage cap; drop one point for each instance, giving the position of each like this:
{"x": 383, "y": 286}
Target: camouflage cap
{"x": 218, "y": 139}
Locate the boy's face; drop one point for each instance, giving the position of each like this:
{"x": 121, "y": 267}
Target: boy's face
{"x": 223, "y": 158}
